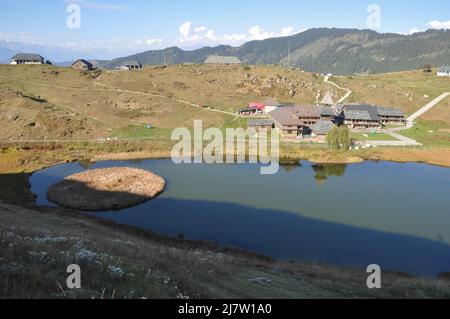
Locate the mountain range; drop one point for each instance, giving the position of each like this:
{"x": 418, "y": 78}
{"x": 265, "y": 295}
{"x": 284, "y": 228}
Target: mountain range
{"x": 320, "y": 50}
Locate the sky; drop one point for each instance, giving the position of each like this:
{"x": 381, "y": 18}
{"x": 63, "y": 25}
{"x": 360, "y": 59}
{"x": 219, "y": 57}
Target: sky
{"x": 128, "y": 26}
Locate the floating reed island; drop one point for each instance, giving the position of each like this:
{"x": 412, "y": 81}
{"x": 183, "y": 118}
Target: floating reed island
{"x": 106, "y": 189}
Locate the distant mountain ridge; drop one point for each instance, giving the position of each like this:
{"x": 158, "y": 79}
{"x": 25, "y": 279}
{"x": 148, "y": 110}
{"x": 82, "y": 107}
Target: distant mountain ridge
{"x": 321, "y": 50}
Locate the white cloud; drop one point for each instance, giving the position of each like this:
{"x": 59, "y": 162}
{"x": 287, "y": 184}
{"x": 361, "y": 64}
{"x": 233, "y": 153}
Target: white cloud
{"x": 200, "y": 29}
{"x": 285, "y": 32}
{"x": 435, "y": 24}
{"x": 196, "y": 36}
{"x": 439, "y": 24}
{"x": 23, "y": 37}
{"x": 415, "y": 30}
{"x": 153, "y": 41}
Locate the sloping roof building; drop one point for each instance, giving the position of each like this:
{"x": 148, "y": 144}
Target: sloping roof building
{"x": 271, "y": 105}
{"x": 389, "y": 111}
{"x": 27, "y": 58}
{"x": 322, "y": 128}
{"x": 131, "y": 65}
{"x": 361, "y": 112}
{"x": 444, "y": 71}
{"x": 389, "y": 115}
{"x": 227, "y": 60}
{"x": 286, "y": 121}
{"x": 83, "y": 65}
{"x": 362, "y": 116}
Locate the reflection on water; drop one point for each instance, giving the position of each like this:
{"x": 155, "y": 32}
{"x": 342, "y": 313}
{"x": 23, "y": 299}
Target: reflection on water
{"x": 328, "y": 170}
{"x": 395, "y": 215}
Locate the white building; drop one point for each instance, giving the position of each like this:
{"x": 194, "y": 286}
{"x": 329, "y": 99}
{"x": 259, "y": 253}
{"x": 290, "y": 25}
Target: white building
{"x": 27, "y": 58}
{"x": 131, "y": 65}
{"x": 444, "y": 71}
{"x": 271, "y": 105}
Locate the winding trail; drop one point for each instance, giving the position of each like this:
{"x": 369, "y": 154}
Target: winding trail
{"x": 161, "y": 96}
{"x": 106, "y": 87}
{"x": 346, "y": 96}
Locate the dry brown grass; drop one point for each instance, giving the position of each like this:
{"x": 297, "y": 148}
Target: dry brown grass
{"x": 106, "y": 189}
{"x": 440, "y": 112}
{"x": 437, "y": 156}
{"x": 407, "y": 91}
{"x": 122, "y": 262}
{"x": 227, "y": 88}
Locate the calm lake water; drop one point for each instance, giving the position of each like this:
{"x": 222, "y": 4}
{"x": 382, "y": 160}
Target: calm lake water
{"x": 394, "y": 215}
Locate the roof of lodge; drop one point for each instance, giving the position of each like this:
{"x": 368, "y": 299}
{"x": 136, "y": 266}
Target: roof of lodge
{"x": 328, "y": 111}
{"x": 328, "y": 99}
{"x": 217, "y": 59}
{"x": 322, "y": 127}
{"x": 308, "y": 111}
{"x": 361, "y": 112}
{"x": 27, "y": 57}
{"x": 389, "y": 111}
{"x": 286, "y": 116}
{"x": 260, "y": 122}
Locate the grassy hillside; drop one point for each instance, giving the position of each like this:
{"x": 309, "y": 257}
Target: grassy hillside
{"x": 44, "y": 102}
{"x": 408, "y": 91}
{"x": 51, "y": 103}
{"x": 227, "y": 88}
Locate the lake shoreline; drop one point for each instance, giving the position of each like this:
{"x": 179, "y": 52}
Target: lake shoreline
{"x": 387, "y": 155}
{"x": 19, "y": 166}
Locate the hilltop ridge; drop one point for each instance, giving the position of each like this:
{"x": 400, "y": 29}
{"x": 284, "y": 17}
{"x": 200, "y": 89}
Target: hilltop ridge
{"x": 321, "y": 50}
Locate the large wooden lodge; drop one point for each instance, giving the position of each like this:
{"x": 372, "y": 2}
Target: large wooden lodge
{"x": 317, "y": 121}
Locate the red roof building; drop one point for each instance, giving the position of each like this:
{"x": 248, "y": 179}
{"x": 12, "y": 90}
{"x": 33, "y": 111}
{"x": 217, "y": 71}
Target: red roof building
{"x": 259, "y": 106}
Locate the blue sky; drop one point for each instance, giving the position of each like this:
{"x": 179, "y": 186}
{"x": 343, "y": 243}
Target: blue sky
{"x": 135, "y": 25}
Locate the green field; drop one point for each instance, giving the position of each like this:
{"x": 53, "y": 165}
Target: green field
{"x": 431, "y": 134}
{"x": 372, "y": 137}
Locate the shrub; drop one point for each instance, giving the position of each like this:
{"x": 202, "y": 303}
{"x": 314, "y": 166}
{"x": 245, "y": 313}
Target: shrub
{"x": 339, "y": 138}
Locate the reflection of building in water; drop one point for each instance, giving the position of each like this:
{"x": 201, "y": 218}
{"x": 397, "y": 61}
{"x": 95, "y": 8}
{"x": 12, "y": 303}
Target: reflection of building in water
{"x": 326, "y": 170}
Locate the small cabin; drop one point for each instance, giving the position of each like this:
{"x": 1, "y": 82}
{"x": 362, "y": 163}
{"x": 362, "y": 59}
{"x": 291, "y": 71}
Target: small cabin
{"x": 223, "y": 60}
{"x": 27, "y": 58}
{"x": 131, "y": 65}
{"x": 444, "y": 71}
{"x": 271, "y": 105}
{"x": 83, "y": 65}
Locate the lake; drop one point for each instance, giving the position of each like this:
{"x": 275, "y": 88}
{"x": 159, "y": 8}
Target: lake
{"x": 390, "y": 214}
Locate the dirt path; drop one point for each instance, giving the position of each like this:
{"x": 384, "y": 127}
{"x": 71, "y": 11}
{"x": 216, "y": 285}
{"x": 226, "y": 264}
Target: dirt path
{"x": 346, "y": 96}
{"x": 160, "y": 96}
{"x": 106, "y": 87}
